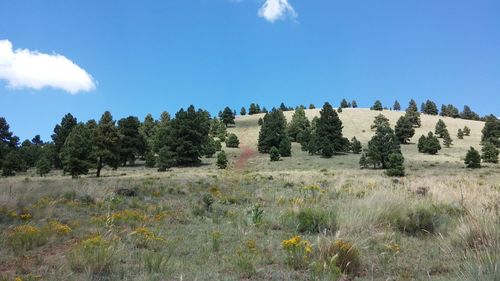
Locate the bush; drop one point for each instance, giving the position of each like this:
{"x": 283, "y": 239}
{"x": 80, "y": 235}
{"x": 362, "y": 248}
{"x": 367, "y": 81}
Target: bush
{"x": 346, "y": 256}
{"x": 298, "y": 251}
{"x": 489, "y": 153}
{"x": 396, "y": 165}
{"x": 472, "y": 159}
{"x": 274, "y": 154}
{"x": 232, "y": 141}
{"x": 166, "y": 159}
{"x": 309, "y": 220}
{"x": 285, "y": 147}
{"x": 420, "y": 220}
{"x": 95, "y": 256}
{"x": 222, "y": 160}
{"x": 25, "y": 237}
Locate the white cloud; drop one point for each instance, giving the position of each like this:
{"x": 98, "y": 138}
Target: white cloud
{"x": 273, "y": 10}
{"x": 23, "y": 68}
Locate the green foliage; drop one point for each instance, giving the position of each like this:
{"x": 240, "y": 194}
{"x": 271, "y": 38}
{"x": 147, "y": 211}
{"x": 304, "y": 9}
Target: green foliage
{"x": 420, "y": 220}
{"x": 222, "y": 160}
{"x": 227, "y": 116}
{"x": 312, "y": 106}
{"x": 356, "y": 146}
{"x": 449, "y": 111}
{"x": 106, "y": 142}
{"x": 61, "y": 132}
{"x": 440, "y": 129}
{"x": 395, "y": 167}
{"x": 354, "y": 104}
{"x": 472, "y": 159}
{"x": 272, "y": 131}
{"x": 460, "y": 134}
{"x": 466, "y": 131}
{"x": 150, "y": 159}
{"x": 489, "y": 153}
{"x": 77, "y": 150}
{"x": 260, "y": 122}
{"x": 380, "y": 121}
{"x": 404, "y": 129}
{"x": 218, "y": 129}
{"x": 218, "y": 145}
{"x": 430, "y": 108}
{"x": 257, "y": 213}
{"x": 468, "y": 114}
{"x": 363, "y": 161}
{"x": 298, "y": 124}
{"x": 344, "y": 104}
{"x": 382, "y": 144}
{"x": 274, "y": 154}
{"x": 347, "y": 256}
{"x": 13, "y": 163}
{"x": 396, "y": 106}
{"x": 326, "y": 136}
{"x": 285, "y": 147}
{"x": 243, "y": 111}
{"x": 43, "y": 166}
{"x": 413, "y": 114}
{"x": 491, "y": 130}
{"x": 210, "y": 148}
{"x": 377, "y": 106}
{"x": 253, "y": 109}
{"x": 447, "y": 141}
{"x": 232, "y": 141}
{"x": 131, "y": 141}
{"x": 166, "y": 159}
{"x": 309, "y": 220}
{"x": 429, "y": 144}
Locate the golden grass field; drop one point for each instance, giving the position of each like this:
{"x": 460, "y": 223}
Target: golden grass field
{"x": 202, "y": 223}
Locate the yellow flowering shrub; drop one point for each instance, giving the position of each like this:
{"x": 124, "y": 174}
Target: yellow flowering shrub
{"x": 346, "y": 256}
{"x": 95, "y": 255}
{"x": 298, "y": 251}
{"x": 25, "y": 216}
{"x": 59, "y": 228}
{"x": 145, "y": 238}
{"x": 128, "y": 216}
{"x": 25, "y": 237}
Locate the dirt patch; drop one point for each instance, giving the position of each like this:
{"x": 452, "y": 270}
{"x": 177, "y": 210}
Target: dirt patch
{"x": 246, "y": 153}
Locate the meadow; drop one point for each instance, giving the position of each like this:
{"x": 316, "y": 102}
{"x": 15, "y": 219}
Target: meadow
{"x": 302, "y": 218}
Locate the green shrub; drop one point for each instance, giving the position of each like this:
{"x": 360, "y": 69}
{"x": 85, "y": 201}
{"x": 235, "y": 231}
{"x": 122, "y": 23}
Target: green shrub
{"x": 25, "y": 237}
{"x": 222, "y": 160}
{"x": 274, "y": 154}
{"x": 346, "y": 256}
{"x": 309, "y": 220}
{"x": 417, "y": 221}
{"x": 94, "y": 256}
{"x": 232, "y": 141}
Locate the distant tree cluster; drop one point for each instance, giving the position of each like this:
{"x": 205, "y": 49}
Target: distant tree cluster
{"x": 273, "y": 134}
{"x": 429, "y": 144}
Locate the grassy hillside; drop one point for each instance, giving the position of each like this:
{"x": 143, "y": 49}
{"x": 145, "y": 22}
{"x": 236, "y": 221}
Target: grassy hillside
{"x": 440, "y": 222}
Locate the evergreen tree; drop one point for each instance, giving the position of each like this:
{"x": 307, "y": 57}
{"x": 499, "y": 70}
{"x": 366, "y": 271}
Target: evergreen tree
{"x": 131, "y": 140}
{"x": 429, "y": 144}
{"x": 395, "y": 167}
{"x": 447, "y": 141}
{"x": 30, "y": 153}
{"x": 274, "y": 154}
{"x": 37, "y": 140}
{"x": 489, "y": 153}
{"x": 260, "y": 122}
{"x": 227, "y": 116}
{"x": 356, "y": 146}
{"x": 232, "y": 141}
{"x": 106, "y": 141}
{"x": 363, "y": 161}
{"x": 404, "y": 129}
{"x": 466, "y": 131}
{"x": 283, "y": 107}
{"x": 430, "y": 108}
{"x": 76, "y": 154}
{"x": 326, "y": 138}
{"x": 491, "y": 130}
{"x": 380, "y": 121}
{"x": 377, "y": 106}
{"x": 13, "y": 163}
{"x": 272, "y": 131}
{"x": 61, "y": 132}
{"x": 222, "y": 160}
{"x": 460, "y": 134}
{"x": 243, "y": 111}
{"x": 382, "y": 144}
{"x": 165, "y": 118}
{"x": 339, "y": 110}
{"x": 264, "y": 109}
{"x": 440, "y": 128}
{"x": 285, "y": 147}
{"x": 253, "y": 109}
{"x": 312, "y": 106}
{"x": 472, "y": 159}
{"x": 354, "y": 104}
{"x": 218, "y": 145}
{"x": 43, "y": 166}
{"x": 150, "y": 159}
{"x": 396, "y": 106}
{"x": 344, "y": 104}
{"x": 147, "y": 130}
{"x": 421, "y": 144}
{"x": 218, "y": 129}
{"x": 166, "y": 159}
{"x": 413, "y": 114}
{"x": 298, "y": 124}
{"x": 6, "y": 139}
{"x": 210, "y": 148}
{"x": 468, "y": 114}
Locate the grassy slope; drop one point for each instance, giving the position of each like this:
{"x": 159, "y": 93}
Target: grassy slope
{"x": 363, "y": 201}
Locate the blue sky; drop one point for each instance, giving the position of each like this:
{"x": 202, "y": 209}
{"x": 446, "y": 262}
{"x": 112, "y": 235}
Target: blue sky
{"x": 149, "y": 56}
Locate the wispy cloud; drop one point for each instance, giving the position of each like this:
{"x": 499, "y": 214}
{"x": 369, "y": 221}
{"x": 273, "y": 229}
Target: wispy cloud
{"x": 273, "y": 10}
{"x": 23, "y": 68}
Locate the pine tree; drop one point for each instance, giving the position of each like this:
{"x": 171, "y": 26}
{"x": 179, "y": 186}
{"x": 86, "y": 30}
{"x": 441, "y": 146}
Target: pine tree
{"x": 272, "y": 131}
{"x": 354, "y": 104}
{"x": 37, "y": 140}
{"x": 344, "y": 104}
{"x": 447, "y": 141}
{"x": 274, "y": 154}
{"x": 422, "y": 143}
{"x": 396, "y": 106}
{"x": 264, "y": 109}
{"x": 356, "y": 146}
{"x": 131, "y": 140}
{"x": 363, "y": 161}
{"x": 380, "y": 121}
{"x": 232, "y": 141}
{"x": 150, "y": 159}
{"x": 382, "y": 144}
{"x": 166, "y": 159}
{"x": 468, "y": 114}
{"x": 253, "y": 109}
{"x": 243, "y": 111}
{"x": 218, "y": 145}
{"x": 260, "y": 122}
{"x": 298, "y": 123}
{"x": 460, "y": 134}
{"x": 283, "y": 107}
{"x": 218, "y": 129}
{"x": 472, "y": 159}
{"x": 285, "y": 147}
{"x": 429, "y": 144}
{"x": 326, "y": 138}
{"x": 43, "y": 166}
{"x": 106, "y": 141}
{"x": 165, "y": 118}
{"x": 61, "y": 132}
{"x": 466, "y": 131}
{"x": 222, "y": 160}
{"x": 377, "y": 106}
{"x": 147, "y": 130}
{"x": 404, "y": 129}
{"x": 312, "y": 106}
{"x": 413, "y": 114}
{"x": 489, "y": 153}
{"x": 77, "y": 151}
{"x": 430, "y": 108}
{"x": 210, "y": 148}
{"x": 227, "y": 116}
{"x": 440, "y": 128}
{"x": 395, "y": 167}
{"x": 491, "y": 130}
